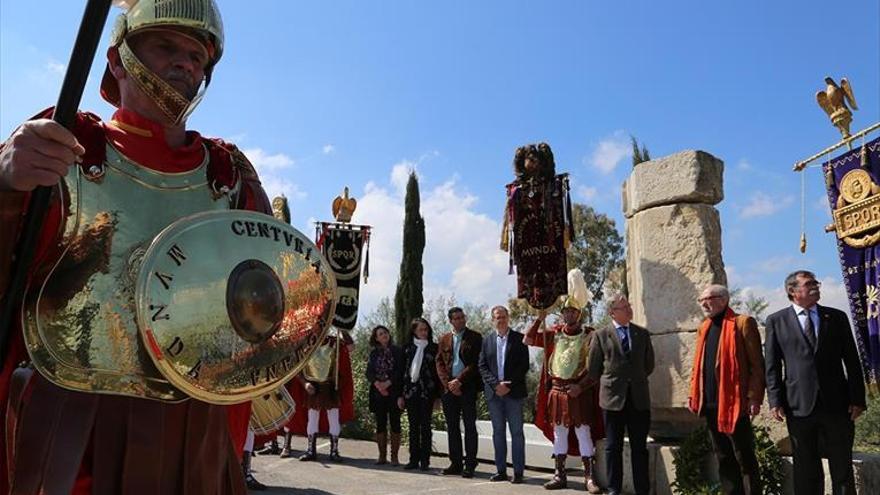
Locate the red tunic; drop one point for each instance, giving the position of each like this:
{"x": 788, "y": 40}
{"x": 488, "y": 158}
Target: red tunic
{"x": 544, "y": 419}
{"x": 300, "y": 418}
{"x": 143, "y": 141}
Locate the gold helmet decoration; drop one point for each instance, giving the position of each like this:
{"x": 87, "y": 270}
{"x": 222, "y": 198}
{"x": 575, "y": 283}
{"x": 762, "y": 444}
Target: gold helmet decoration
{"x": 578, "y": 295}
{"x": 198, "y": 19}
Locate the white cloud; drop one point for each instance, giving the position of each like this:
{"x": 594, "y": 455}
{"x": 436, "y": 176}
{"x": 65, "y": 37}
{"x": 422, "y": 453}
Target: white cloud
{"x": 822, "y": 204}
{"x": 785, "y": 263}
{"x": 761, "y": 205}
{"x": 55, "y": 67}
{"x": 400, "y": 175}
{"x": 272, "y": 168}
{"x": 744, "y": 165}
{"x": 265, "y": 162}
{"x": 609, "y": 152}
{"x": 328, "y": 149}
{"x": 734, "y": 279}
{"x": 833, "y": 295}
{"x": 461, "y": 256}
{"x": 587, "y": 193}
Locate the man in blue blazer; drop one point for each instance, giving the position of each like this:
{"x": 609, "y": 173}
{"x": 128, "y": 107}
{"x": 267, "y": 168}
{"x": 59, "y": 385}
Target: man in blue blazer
{"x": 823, "y": 389}
{"x": 504, "y": 362}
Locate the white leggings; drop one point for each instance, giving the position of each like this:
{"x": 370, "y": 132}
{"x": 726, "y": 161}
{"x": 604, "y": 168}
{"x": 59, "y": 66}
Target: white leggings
{"x": 585, "y": 441}
{"x": 332, "y": 421}
{"x": 249, "y": 442}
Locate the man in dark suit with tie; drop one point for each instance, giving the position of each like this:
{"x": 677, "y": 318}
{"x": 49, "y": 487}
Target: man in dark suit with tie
{"x": 621, "y": 358}
{"x": 823, "y": 390}
{"x": 504, "y": 362}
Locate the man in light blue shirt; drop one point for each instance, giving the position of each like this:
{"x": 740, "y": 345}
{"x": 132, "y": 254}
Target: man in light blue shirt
{"x": 504, "y": 362}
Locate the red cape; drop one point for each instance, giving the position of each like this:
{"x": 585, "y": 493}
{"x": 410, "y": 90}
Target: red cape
{"x": 346, "y": 398}
{"x": 597, "y": 429}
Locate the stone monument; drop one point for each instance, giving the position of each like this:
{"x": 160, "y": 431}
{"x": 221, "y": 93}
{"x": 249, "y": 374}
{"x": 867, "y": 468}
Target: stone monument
{"x": 673, "y": 238}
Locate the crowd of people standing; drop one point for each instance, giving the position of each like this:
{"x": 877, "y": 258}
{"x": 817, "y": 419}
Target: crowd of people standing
{"x": 594, "y": 385}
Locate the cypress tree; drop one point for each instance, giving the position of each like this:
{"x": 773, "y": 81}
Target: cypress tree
{"x": 408, "y": 299}
{"x": 639, "y": 156}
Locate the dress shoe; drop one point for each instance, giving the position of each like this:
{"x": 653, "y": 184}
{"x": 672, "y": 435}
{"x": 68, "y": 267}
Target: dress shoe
{"x": 253, "y": 484}
{"x": 467, "y": 473}
{"x": 450, "y": 470}
{"x": 411, "y": 465}
{"x": 499, "y": 477}
{"x": 518, "y": 479}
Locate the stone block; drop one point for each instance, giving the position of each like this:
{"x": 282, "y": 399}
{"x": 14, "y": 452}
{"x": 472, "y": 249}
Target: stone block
{"x": 670, "y": 385}
{"x": 686, "y": 177}
{"x": 672, "y": 253}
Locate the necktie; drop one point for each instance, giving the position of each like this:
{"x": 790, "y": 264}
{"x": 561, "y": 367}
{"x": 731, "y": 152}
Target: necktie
{"x": 809, "y": 330}
{"x": 624, "y": 340}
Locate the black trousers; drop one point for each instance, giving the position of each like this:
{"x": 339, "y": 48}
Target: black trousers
{"x": 836, "y": 430}
{"x": 419, "y": 414}
{"x": 636, "y": 424}
{"x": 458, "y": 408}
{"x": 387, "y": 411}
{"x": 738, "y": 469}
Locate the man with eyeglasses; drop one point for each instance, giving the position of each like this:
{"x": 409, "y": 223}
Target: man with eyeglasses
{"x": 727, "y": 388}
{"x": 822, "y": 391}
{"x": 621, "y": 358}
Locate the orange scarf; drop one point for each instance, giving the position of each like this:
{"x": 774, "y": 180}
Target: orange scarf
{"x": 728, "y": 373}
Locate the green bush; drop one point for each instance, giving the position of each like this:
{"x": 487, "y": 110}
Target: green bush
{"x": 690, "y": 462}
{"x": 867, "y": 437}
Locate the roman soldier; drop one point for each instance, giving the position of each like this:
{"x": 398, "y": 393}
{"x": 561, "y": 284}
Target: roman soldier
{"x": 325, "y": 386}
{"x": 568, "y": 409}
{"x": 96, "y": 417}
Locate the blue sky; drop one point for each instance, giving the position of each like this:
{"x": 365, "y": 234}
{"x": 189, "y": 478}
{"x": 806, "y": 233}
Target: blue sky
{"x": 326, "y": 94}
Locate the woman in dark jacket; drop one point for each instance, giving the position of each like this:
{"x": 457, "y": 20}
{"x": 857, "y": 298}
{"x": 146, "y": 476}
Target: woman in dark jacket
{"x": 421, "y": 388}
{"x": 385, "y": 376}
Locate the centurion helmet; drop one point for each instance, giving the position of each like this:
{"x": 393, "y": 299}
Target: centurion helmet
{"x": 578, "y": 295}
{"x": 199, "y": 19}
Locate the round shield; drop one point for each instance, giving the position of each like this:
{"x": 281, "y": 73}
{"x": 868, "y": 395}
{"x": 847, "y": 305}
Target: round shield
{"x": 270, "y": 412}
{"x": 231, "y": 304}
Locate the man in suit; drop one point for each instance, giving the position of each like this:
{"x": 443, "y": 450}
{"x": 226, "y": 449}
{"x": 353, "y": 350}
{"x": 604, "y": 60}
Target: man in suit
{"x": 621, "y": 358}
{"x": 727, "y": 388}
{"x": 457, "y": 362}
{"x": 504, "y": 362}
{"x": 823, "y": 390}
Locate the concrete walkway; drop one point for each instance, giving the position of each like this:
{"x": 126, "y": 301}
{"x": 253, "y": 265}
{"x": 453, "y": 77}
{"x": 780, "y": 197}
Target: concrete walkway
{"x": 357, "y": 475}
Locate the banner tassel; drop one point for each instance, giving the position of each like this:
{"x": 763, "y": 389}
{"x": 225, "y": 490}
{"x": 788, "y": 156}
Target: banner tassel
{"x": 366, "y": 254}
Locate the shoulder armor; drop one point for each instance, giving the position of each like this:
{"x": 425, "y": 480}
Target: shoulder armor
{"x": 229, "y": 166}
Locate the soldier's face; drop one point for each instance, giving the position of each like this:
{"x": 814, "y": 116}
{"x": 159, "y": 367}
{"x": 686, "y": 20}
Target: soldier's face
{"x": 570, "y": 316}
{"x": 175, "y": 57}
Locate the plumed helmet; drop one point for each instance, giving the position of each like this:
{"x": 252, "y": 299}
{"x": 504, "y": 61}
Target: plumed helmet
{"x": 578, "y": 295}
{"x": 199, "y": 19}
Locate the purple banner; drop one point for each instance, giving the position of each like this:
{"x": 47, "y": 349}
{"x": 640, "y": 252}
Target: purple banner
{"x": 860, "y": 264}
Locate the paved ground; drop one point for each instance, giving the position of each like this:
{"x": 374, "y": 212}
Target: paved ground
{"x": 357, "y": 475}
